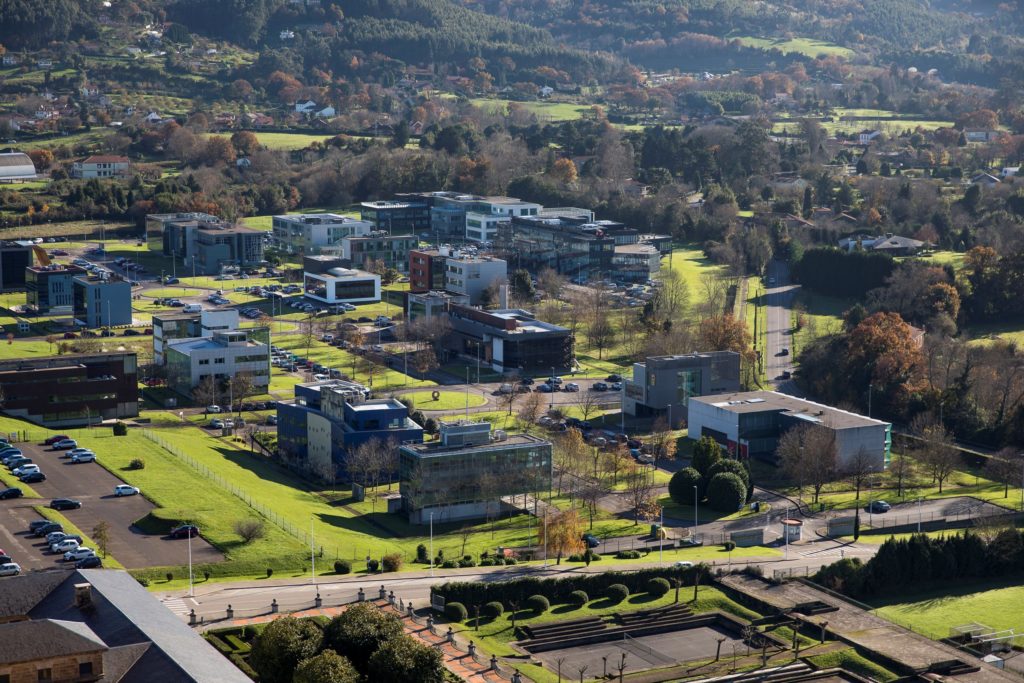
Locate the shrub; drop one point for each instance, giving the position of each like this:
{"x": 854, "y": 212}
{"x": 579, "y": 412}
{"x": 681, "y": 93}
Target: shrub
{"x": 488, "y": 562}
{"x": 658, "y": 587}
{"x": 372, "y": 565}
{"x": 680, "y": 486}
{"x": 575, "y": 558}
{"x": 706, "y": 453}
{"x": 359, "y": 631}
{"x": 510, "y": 560}
{"x": 734, "y": 466}
{"x": 250, "y": 632}
{"x": 616, "y": 593}
{"x": 628, "y": 555}
{"x": 726, "y": 492}
{"x": 392, "y": 562}
{"x": 421, "y": 554}
{"x": 170, "y": 576}
{"x": 455, "y": 611}
{"x": 591, "y": 556}
{"x": 729, "y": 546}
{"x": 494, "y": 609}
{"x": 270, "y": 572}
{"x": 538, "y": 604}
{"x": 206, "y": 575}
{"x": 143, "y": 581}
{"x": 467, "y": 561}
{"x": 450, "y": 564}
{"x": 120, "y": 429}
{"x": 137, "y": 464}
{"x": 250, "y": 529}
{"x": 342, "y": 567}
{"x": 578, "y": 598}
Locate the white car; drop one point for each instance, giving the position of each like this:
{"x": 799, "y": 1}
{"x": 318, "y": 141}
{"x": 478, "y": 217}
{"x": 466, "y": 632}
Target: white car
{"x": 88, "y": 456}
{"x": 683, "y": 564}
{"x": 571, "y": 387}
{"x": 75, "y": 451}
{"x": 25, "y": 469}
{"x": 216, "y": 423}
{"x": 213, "y": 409}
{"x": 55, "y": 537}
{"x": 79, "y": 553}
{"x": 65, "y": 445}
{"x": 125, "y": 490}
{"x": 64, "y": 545}
{"x": 10, "y": 569}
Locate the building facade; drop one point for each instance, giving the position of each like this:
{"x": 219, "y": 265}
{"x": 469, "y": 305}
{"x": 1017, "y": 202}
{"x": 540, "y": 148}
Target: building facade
{"x": 221, "y": 356}
{"x": 466, "y": 473}
{"x": 568, "y": 245}
{"x": 101, "y": 302}
{"x": 427, "y": 269}
{"x": 310, "y": 233}
{"x": 15, "y": 258}
{"x": 204, "y": 242}
{"x": 398, "y": 217}
{"x": 636, "y": 262}
{"x": 663, "y": 381}
{"x": 378, "y": 247}
{"x": 427, "y": 305}
{"x": 472, "y": 275}
{"x": 749, "y": 424}
{"x": 329, "y": 419}
{"x": 101, "y": 167}
{"x": 456, "y": 215}
{"x": 342, "y": 285}
{"x": 16, "y": 166}
{"x": 509, "y": 341}
{"x": 71, "y": 391}
{"x": 51, "y": 288}
{"x": 168, "y": 327}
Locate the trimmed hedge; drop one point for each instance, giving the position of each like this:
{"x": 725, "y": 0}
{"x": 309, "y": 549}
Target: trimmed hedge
{"x": 616, "y": 593}
{"x": 628, "y": 555}
{"x": 342, "y": 567}
{"x": 658, "y": 587}
{"x": 494, "y": 609}
{"x": 392, "y": 562}
{"x": 557, "y": 591}
{"x": 538, "y": 604}
{"x": 455, "y": 611}
{"x": 579, "y": 598}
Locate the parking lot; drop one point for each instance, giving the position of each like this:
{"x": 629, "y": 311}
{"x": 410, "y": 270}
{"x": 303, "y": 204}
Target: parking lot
{"x": 94, "y": 486}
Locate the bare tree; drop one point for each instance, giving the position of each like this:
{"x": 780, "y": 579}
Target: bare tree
{"x": 808, "y": 455}
{"x": 938, "y": 454}
{"x": 1006, "y": 467}
{"x": 551, "y": 282}
{"x": 586, "y": 402}
{"x": 858, "y": 470}
{"x": 530, "y": 409}
{"x": 600, "y": 333}
{"x": 205, "y": 393}
{"x": 901, "y": 468}
{"x": 591, "y": 493}
{"x": 250, "y": 529}
{"x": 639, "y": 490}
{"x": 663, "y": 440}
{"x": 242, "y": 387}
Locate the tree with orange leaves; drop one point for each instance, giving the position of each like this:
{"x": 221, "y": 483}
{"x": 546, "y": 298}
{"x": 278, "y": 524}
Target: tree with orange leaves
{"x": 883, "y": 358}
{"x": 561, "y": 533}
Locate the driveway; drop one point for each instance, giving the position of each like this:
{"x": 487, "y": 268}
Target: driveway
{"x": 94, "y": 486}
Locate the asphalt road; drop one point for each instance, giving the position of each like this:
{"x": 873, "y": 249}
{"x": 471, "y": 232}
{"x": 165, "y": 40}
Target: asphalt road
{"x": 778, "y": 337}
{"x": 94, "y": 486}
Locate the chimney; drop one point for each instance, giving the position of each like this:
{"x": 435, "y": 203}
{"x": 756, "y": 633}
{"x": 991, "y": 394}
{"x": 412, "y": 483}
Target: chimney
{"x": 83, "y": 596}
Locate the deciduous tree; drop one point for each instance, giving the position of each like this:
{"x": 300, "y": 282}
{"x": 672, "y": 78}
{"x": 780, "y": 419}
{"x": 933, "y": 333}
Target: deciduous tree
{"x": 561, "y": 533}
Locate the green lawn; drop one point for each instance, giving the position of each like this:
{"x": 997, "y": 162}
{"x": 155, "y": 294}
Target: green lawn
{"x": 933, "y": 613}
{"x": 817, "y": 315}
{"x": 287, "y": 141}
{"x": 550, "y": 111}
{"x": 851, "y": 661}
{"x": 805, "y": 46}
{"x": 691, "y": 263}
{"x": 446, "y": 400}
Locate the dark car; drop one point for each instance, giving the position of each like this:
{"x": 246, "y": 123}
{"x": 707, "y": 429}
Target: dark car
{"x": 878, "y": 507}
{"x": 54, "y": 439}
{"x": 591, "y": 540}
{"x": 33, "y": 477}
{"x": 185, "y": 531}
{"x": 526, "y": 381}
{"x": 786, "y": 374}
{"x": 48, "y": 528}
{"x": 65, "y": 504}
{"x": 784, "y": 352}
{"x": 36, "y": 524}
{"x": 599, "y": 386}
{"x": 13, "y": 492}
{"x": 89, "y": 563}
{"x": 4, "y": 559}
{"x": 614, "y": 378}
{"x": 634, "y": 443}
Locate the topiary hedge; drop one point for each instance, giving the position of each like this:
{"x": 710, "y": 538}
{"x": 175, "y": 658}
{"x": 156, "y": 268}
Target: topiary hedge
{"x": 726, "y": 492}
{"x": 579, "y": 598}
{"x": 494, "y": 609}
{"x": 680, "y": 486}
{"x": 342, "y": 567}
{"x": 455, "y": 611}
{"x": 616, "y": 593}
{"x": 658, "y": 587}
{"x": 538, "y": 604}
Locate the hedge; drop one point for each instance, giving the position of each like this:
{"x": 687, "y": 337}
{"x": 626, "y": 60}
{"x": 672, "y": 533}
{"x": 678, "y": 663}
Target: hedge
{"x": 578, "y": 598}
{"x": 538, "y": 604}
{"x": 342, "y": 567}
{"x": 494, "y": 609}
{"x": 455, "y": 611}
{"x": 658, "y": 587}
{"x": 557, "y": 590}
{"x": 617, "y": 592}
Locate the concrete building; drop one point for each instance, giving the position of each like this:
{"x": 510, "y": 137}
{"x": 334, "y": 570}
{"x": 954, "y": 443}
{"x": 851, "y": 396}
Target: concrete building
{"x": 427, "y": 269}
{"x": 15, "y": 258}
{"x": 341, "y": 285}
{"x": 69, "y": 390}
{"x": 50, "y": 289}
{"x": 101, "y": 166}
{"x": 204, "y": 242}
{"x": 569, "y": 245}
{"x": 427, "y": 305}
{"x": 221, "y": 356}
{"x": 456, "y": 215}
{"x": 749, "y": 424}
{"x": 101, "y": 302}
{"x": 465, "y": 474}
{"x": 309, "y": 233}
{"x": 471, "y": 275}
{"x": 397, "y": 217}
{"x": 378, "y": 247}
{"x": 16, "y": 166}
{"x": 168, "y": 327}
{"x": 509, "y": 340}
{"x": 89, "y": 625}
{"x": 663, "y": 381}
{"x": 329, "y": 419}
{"x": 636, "y": 262}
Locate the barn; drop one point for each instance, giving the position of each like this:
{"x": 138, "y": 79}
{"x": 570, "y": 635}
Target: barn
{"x": 16, "y": 166}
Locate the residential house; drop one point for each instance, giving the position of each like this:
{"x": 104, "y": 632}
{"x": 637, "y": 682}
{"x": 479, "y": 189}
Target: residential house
{"x": 986, "y": 179}
{"x": 1009, "y": 171}
{"x": 894, "y": 245}
{"x": 982, "y": 135}
{"x": 305, "y": 107}
{"x": 101, "y": 166}
{"x": 866, "y": 137}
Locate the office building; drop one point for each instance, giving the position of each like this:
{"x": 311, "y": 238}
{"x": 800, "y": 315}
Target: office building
{"x": 336, "y": 285}
{"x": 749, "y": 424}
{"x": 329, "y": 419}
{"x": 472, "y": 275}
{"x": 636, "y": 262}
{"x": 569, "y": 245}
{"x": 15, "y": 258}
{"x": 204, "y": 243}
{"x": 427, "y": 269}
{"x": 70, "y": 390}
{"x": 309, "y": 233}
{"x": 101, "y": 301}
{"x": 222, "y": 356}
{"x": 509, "y": 340}
{"x": 368, "y": 251}
{"x": 456, "y": 215}
{"x": 168, "y": 327}
{"x": 466, "y": 473}
{"x": 663, "y": 381}
{"x": 85, "y": 625}
{"x": 427, "y": 305}
{"x": 50, "y": 289}
{"x": 397, "y": 217}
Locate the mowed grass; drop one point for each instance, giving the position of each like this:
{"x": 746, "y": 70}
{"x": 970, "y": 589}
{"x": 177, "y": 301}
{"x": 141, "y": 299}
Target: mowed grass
{"x": 288, "y": 141}
{"x": 818, "y": 315}
{"x": 692, "y": 265}
{"x": 446, "y": 400}
{"x": 933, "y": 613}
{"x": 550, "y": 111}
{"x": 804, "y": 46}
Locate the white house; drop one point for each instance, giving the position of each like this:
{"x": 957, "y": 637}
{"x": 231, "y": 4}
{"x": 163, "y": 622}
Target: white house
{"x": 1010, "y": 171}
{"x": 326, "y": 112}
{"x": 307, "y": 107}
{"x": 866, "y": 136}
{"x": 286, "y": 35}
{"x": 99, "y": 166}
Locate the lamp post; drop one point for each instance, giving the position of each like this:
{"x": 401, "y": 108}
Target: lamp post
{"x": 191, "y": 588}
{"x": 661, "y": 537}
{"x": 431, "y": 558}
{"x": 919, "y": 500}
{"x": 696, "y": 521}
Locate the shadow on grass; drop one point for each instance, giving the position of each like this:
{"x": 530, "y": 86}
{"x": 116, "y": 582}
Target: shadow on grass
{"x": 564, "y": 609}
{"x": 604, "y": 603}
{"x": 642, "y": 599}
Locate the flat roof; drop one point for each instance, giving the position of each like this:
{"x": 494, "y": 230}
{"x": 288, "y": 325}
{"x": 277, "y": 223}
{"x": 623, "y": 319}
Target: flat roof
{"x": 377, "y": 404}
{"x": 440, "y": 448}
{"x": 800, "y": 408}
{"x": 638, "y": 248}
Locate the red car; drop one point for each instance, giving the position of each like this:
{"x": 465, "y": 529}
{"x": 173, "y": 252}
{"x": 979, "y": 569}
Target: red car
{"x": 54, "y": 439}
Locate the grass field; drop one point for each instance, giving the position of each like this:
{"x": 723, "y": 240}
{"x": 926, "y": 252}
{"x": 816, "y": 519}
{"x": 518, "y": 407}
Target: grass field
{"x": 287, "y": 141}
{"x": 933, "y": 613}
{"x": 446, "y": 400}
{"x": 819, "y": 315}
{"x": 550, "y": 111}
{"x": 691, "y": 263}
{"x": 804, "y": 46}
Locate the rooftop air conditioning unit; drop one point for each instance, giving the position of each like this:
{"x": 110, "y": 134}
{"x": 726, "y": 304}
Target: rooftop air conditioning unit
{"x": 500, "y": 435}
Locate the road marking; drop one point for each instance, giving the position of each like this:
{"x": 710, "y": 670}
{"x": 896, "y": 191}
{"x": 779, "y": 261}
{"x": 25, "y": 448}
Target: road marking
{"x": 176, "y": 605}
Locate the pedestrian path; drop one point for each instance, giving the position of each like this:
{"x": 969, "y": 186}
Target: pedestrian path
{"x": 177, "y": 606}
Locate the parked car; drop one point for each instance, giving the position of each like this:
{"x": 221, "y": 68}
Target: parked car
{"x": 83, "y": 457}
{"x": 56, "y": 536}
{"x": 91, "y": 562}
{"x": 65, "y": 504}
{"x": 591, "y": 540}
{"x": 16, "y": 461}
{"x": 784, "y": 352}
{"x": 599, "y": 386}
{"x": 125, "y": 490}
{"x": 12, "y": 492}
{"x": 64, "y": 545}
{"x": 78, "y": 553}
{"x": 10, "y": 569}
{"x": 878, "y": 507}
{"x": 616, "y": 386}
{"x": 271, "y": 419}
{"x": 65, "y": 445}
{"x": 571, "y": 387}
{"x": 33, "y": 478}
{"x": 216, "y": 423}
{"x": 54, "y": 439}
{"x": 25, "y": 469}
{"x": 614, "y": 377}
{"x": 185, "y": 531}
{"x": 683, "y": 564}
{"x": 213, "y": 409}
{"x": 36, "y": 524}
{"x": 545, "y": 388}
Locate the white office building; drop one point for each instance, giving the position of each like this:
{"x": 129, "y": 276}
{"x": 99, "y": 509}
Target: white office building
{"x": 342, "y": 285}
{"x": 309, "y": 233}
{"x": 471, "y": 275}
{"x": 222, "y": 356}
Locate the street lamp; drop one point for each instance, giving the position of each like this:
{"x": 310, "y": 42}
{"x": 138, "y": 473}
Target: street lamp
{"x": 696, "y": 522}
{"x": 919, "y": 501}
{"x": 431, "y": 558}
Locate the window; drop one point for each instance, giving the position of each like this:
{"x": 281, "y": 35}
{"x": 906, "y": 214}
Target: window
{"x": 204, "y": 361}
{"x": 45, "y": 675}
{"x": 218, "y": 361}
{"x": 85, "y": 668}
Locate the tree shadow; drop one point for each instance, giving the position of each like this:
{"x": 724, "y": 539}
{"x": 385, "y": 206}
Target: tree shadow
{"x": 563, "y": 609}
{"x": 642, "y": 598}
{"x": 604, "y": 603}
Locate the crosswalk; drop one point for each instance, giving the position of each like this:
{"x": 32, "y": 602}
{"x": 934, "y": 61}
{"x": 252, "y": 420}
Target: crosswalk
{"x": 177, "y": 606}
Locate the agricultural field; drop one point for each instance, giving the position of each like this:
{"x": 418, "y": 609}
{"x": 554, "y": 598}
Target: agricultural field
{"x": 804, "y": 46}
{"x": 933, "y": 613}
{"x": 286, "y": 141}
